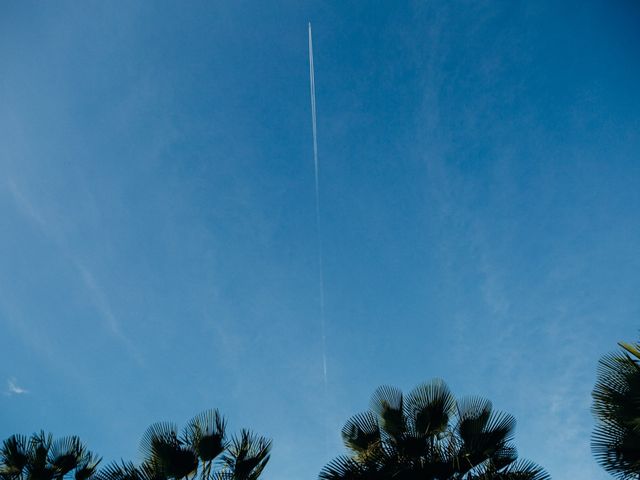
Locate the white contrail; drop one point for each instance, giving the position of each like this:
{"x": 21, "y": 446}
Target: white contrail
{"x": 315, "y": 165}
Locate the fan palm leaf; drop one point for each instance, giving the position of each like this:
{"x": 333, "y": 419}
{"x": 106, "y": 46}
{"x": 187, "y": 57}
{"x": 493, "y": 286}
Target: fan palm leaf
{"x": 361, "y": 433}
{"x": 14, "y": 455}
{"x": 119, "y": 471}
{"x": 166, "y": 452}
{"x": 65, "y": 454}
{"x": 205, "y": 433}
{"x": 388, "y": 403}
{"x": 518, "y": 470}
{"x": 200, "y": 449}
{"x": 346, "y": 468}
{"x": 129, "y": 471}
{"x": 429, "y": 407}
{"x": 87, "y": 466}
{"x": 616, "y": 438}
{"x": 247, "y": 455}
{"x": 429, "y": 436}
{"x": 39, "y": 457}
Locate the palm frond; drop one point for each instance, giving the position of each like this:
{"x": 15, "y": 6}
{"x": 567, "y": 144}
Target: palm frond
{"x": 14, "y": 454}
{"x": 222, "y": 475}
{"x": 474, "y": 409}
{"x": 162, "y": 448}
{"x": 205, "y": 433}
{"x": 503, "y": 457}
{"x": 361, "y": 432}
{"x": 429, "y": 407}
{"x": 632, "y": 349}
{"x": 500, "y": 428}
{"x": 429, "y": 436}
{"x": 37, "y": 464}
{"x": 523, "y": 470}
{"x": 345, "y": 468}
{"x": 65, "y": 454}
{"x": 616, "y": 448}
{"x": 615, "y": 441}
{"x": 87, "y": 467}
{"x": 129, "y": 471}
{"x": 119, "y": 471}
{"x": 388, "y": 403}
{"x": 484, "y": 435}
{"x": 158, "y": 437}
{"x": 617, "y": 389}
{"x": 247, "y": 455}
{"x": 473, "y": 416}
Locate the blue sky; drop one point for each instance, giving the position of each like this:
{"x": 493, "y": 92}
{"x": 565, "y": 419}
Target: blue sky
{"x": 480, "y": 193}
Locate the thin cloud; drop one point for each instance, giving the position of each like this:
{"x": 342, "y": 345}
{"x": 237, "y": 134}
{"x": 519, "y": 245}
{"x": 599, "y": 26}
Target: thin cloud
{"x": 27, "y": 207}
{"x": 14, "y": 389}
{"x": 103, "y": 307}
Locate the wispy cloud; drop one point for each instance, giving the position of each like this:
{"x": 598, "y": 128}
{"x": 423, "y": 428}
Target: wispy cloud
{"x": 14, "y": 389}
{"x": 26, "y": 207}
{"x": 97, "y": 295}
{"x": 526, "y": 313}
{"x": 103, "y": 307}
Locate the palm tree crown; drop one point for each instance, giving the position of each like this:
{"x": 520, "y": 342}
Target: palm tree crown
{"x": 616, "y": 405}
{"x": 39, "y": 457}
{"x": 426, "y": 435}
{"x": 200, "y": 449}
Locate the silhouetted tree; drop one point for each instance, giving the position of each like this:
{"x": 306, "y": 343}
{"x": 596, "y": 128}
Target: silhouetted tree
{"x": 201, "y": 449}
{"x": 39, "y": 457}
{"x": 616, "y": 405}
{"x": 428, "y": 435}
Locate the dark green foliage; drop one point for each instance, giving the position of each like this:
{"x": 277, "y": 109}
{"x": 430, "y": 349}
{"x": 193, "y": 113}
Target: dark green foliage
{"x": 427, "y": 435}
{"x": 246, "y": 456}
{"x": 616, "y": 405}
{"x": 169, "y": 455}
{"x": 361, "y": 432}
{"x": 41, "y": 458}
{"x": 206, "y": 433}
{"x": 430, "y": 406}
{"x": 201, "y": 449}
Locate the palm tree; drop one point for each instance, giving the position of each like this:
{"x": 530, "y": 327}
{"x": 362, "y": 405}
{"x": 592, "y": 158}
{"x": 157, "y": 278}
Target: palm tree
{"x": 201, "y": 448}
{"x": 428, "y": 435}
{"x": 39, "y": 457}
{"x": 616, "y": 405}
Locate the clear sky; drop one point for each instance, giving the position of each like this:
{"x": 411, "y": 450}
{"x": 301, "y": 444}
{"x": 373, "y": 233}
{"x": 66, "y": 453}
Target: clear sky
{"x": 480, "y": 208}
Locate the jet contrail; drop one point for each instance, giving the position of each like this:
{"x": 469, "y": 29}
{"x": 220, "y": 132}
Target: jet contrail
{"x": 312, "y": 86}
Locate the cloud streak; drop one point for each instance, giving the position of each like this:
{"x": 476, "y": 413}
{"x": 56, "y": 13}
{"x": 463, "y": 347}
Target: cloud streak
{"x": 14, "y": 389}
{"x": 99, "y": 299}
